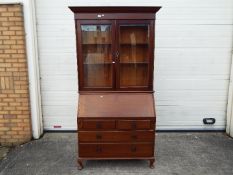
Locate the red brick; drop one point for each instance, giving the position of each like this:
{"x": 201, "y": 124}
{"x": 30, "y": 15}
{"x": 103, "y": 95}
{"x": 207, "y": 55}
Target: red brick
{"x": 9, "y": 116}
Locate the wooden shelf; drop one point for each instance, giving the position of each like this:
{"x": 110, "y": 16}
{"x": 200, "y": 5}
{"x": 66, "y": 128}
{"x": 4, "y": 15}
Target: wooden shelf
{"x": 134, "y": 63}
{"x": 95, "y": 44}
{"x": 104, "y": 41}
{"x": 107, "y": 63}
{"x": 137, "y": 44}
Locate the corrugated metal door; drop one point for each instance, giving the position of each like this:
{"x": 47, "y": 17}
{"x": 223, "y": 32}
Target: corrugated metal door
{"x": 192, "y": 61}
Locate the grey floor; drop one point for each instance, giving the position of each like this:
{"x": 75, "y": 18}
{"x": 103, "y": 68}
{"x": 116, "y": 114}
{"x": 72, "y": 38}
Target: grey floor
{"x": 176, "y": 154}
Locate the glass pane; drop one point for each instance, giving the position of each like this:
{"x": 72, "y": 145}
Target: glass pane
{"x": 134, "y": 55}
{"x": 97, "y": 57}
{"x": 133, "y": 75}
{"x": 98, "y": 75}
{"x": 134, "y": 34}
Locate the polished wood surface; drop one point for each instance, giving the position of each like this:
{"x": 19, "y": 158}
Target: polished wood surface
{"x": 107, "y": 123}
{"x": 133, "y": 124}
{"x": 91, "y": 16}
{"x": 116, "y": 150}
{"x": 96, "y": 124}
{"x": 116, "y": 136}
{"x": 115, "y": 56}
{"x": 116, "y": 105}
{"x": 115, "y": 9}
{"x": 116, "y": 126}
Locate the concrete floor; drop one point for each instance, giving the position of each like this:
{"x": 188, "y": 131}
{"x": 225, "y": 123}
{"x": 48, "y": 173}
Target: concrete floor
{"x": 177, "y": 154}
{"x": 3, "y": 151}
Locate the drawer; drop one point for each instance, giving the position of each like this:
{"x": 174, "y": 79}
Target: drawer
{"x": 116, "y": 136}
{"x": 96, "y": 124}
{"x": 134, "y": 124}
{"x": 116, "y": 150}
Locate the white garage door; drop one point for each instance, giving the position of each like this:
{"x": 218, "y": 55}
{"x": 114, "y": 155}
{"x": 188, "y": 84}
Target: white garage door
{"x": 192, "y": 61}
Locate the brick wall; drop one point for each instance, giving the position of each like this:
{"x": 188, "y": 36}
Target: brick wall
{"x": 15, "y": 124}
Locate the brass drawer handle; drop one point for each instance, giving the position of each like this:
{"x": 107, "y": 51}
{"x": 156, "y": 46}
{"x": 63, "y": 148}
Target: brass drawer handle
{"x": 98, "y": 149}
{"x": 133, "y": 125}
{"x": 133, "y": 149}
{"x": 98, "y": 125}
{"x": 134, "y": 137}
{"x": 98, "y": 136}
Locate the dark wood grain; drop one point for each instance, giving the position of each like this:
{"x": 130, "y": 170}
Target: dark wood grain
{"x": 118, "y": 74}
{"x": 115, "y": 9}
{"x": 116, "y": 105}
{"x": 134, "y": 124}
{"x": 133, "y": 16}
{"x": 116, "y": 136}
{"x": 97, "y": 124}
{"x": 116, "y": 112}
{"x": 116, "y": 150}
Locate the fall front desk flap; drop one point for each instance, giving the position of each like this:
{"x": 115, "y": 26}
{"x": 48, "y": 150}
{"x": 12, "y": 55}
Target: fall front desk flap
{"x": 116, "y": 105}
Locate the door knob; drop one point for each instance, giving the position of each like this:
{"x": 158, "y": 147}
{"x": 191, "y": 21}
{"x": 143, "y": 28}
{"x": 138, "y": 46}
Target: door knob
{"x": 117, "y": 54}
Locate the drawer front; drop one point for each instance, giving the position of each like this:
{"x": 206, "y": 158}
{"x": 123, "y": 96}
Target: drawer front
{"x": 116, "y": 136}
{"x": 116, "y": 150}
{"x": 134, "y": 124}
{"x": 96, "y": 124}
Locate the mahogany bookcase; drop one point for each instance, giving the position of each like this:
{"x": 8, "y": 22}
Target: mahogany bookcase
{"x": 115, "y": 57}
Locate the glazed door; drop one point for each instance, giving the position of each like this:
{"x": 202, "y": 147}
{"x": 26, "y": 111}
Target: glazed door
{"x": 134, "y": 54}
{"x": 96, "y": 62}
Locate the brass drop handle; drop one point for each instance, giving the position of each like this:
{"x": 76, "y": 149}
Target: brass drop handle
{"x": 98, "y": 149}
{"x": 133, "y": 125}
{"x": 98, "y": 136}
{"x": 133, "y": 149}
{"x": 98, "y": 125}
{"x": 134, "y": 137}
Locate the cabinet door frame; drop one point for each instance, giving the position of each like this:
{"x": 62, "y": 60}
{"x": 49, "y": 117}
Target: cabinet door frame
{"x": 80, "y": 59}
{"x": 149, "y": 86}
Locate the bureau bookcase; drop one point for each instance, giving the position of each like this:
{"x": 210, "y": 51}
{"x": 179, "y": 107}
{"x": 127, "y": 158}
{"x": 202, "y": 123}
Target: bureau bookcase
{"x": 115, "y": 57}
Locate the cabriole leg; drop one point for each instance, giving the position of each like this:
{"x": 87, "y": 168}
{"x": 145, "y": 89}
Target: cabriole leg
{"x": 152, "y": 161}
{"x": 80, "y": 164}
